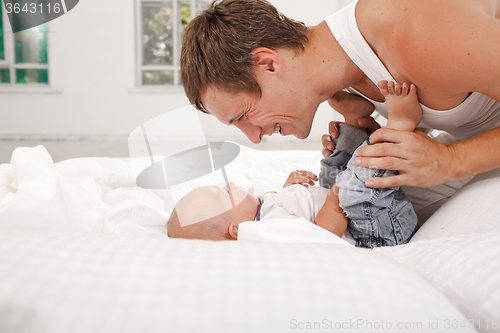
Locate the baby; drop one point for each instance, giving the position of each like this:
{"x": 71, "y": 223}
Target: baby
{"x": 375, "y": 217}
{"x": 223, "y": 208}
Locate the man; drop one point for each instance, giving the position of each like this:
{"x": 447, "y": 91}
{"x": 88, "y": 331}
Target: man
{"x": 249, "y": 66}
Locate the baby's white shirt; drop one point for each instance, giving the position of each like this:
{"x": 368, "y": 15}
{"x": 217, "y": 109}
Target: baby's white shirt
{"x": 293, "y": 201}
{"x": 297, "y": 202}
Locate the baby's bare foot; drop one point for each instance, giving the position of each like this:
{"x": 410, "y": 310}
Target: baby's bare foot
{"x": 404, "y": 110}
{"x": 352, "y": 107}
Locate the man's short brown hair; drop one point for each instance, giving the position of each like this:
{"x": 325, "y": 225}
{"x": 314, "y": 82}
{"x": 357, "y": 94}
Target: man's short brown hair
{"x": 217, "y": 45}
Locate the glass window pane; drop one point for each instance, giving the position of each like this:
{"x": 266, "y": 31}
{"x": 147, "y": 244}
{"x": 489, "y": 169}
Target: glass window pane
{"x": 32, "y": 76}
{"x": 157, "y": 77}
{"x": 157, "y": 28}
{"x": 31, "y": 45}
{"x": 185, "y": 14}
{"x": 202, "y": 5}
{"x": 2, "y": 49}
{"x": 4, "y": 75}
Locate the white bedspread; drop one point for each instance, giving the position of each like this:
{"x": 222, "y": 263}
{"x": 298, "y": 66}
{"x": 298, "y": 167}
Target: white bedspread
{"x": 85, "y": 194}
{"x": 82, "y": 250}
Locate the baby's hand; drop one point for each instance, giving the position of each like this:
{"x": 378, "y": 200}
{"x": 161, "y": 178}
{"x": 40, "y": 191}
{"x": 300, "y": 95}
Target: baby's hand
{"x": 305, "y": 178}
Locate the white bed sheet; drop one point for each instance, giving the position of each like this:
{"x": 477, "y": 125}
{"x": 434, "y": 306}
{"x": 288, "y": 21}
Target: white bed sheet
{"x": 80, "y": 240}
{"x": 80, "y": 282}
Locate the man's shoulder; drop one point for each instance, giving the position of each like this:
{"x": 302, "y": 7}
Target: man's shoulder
{"x": 423, "y": 42}
{"x": 386, "y": 21}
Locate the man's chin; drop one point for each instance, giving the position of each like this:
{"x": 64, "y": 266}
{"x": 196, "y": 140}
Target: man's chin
{"x": 302, "y": 136}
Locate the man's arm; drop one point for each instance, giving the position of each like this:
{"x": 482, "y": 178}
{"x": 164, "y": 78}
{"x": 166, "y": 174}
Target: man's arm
{"x": 331, "y": 217}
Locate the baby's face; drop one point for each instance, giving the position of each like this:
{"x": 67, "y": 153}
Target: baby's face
{"x": 208, "y": 201}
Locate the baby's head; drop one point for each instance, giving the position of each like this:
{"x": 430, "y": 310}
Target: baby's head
{"x": 212, "y": 212}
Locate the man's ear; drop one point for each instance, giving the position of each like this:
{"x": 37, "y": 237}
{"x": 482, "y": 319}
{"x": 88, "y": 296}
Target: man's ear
{"x": 233, "y": 230}
{"x": 268, "y": 61}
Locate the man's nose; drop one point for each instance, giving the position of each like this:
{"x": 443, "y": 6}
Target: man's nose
{"x": 253, "y": 132}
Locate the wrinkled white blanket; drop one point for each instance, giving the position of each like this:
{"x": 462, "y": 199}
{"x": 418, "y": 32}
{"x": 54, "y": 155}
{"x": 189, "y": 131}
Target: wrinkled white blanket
{"x": 91, "y": 195}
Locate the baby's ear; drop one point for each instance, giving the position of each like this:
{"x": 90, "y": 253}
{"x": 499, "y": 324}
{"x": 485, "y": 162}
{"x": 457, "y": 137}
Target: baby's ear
{"x": 233, "y": 230}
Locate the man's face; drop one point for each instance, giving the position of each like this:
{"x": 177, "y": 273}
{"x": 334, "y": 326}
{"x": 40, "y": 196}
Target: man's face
{"x": 277, "y": 111}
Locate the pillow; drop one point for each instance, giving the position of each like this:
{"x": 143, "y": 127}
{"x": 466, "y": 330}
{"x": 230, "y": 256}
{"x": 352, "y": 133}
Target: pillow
{"x": 464, "y": 268}
{"x": 475, "y": 208}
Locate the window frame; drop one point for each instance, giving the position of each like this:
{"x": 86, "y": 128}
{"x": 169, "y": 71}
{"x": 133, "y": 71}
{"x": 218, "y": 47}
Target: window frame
{"x": 10, "y": 57}
{"x": 176, "y": 49}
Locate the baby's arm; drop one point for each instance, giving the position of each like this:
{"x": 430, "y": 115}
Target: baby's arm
{"x": 305, "y": 178}
{"x": 331, "y": 217}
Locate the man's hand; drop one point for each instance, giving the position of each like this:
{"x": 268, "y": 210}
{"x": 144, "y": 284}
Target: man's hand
{"x": 420, "y": 160}
{"x": 305, "y": 178}
{"x": 333, "y": 132}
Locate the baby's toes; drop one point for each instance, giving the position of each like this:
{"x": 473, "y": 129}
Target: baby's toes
{"x": 413, "y": 90}
{"x": 397, "y": 89}
{"x": 382, "y": 85}
{"x": 405, "y": 89}
{"x": 390, "y": 87}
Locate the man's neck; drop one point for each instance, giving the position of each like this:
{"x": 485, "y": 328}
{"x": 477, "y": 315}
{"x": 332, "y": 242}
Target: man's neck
{"x": 327, "y": 65}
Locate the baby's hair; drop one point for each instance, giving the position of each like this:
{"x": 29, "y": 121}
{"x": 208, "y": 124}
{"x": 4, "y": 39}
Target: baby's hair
{"x": 214, "y": 228}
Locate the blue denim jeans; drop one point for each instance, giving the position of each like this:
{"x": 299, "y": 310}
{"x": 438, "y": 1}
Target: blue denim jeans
{"x": 377, "y": 217}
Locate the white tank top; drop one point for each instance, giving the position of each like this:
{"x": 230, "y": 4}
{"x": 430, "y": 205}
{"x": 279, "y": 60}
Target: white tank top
{"x": 477, "y": 114}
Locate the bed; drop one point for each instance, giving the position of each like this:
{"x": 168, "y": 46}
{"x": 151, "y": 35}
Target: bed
{"x": 83, "y": 249}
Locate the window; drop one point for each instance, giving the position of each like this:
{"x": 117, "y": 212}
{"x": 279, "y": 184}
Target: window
{"x": 160, "y": 26}
{"x": 23, "y": 55}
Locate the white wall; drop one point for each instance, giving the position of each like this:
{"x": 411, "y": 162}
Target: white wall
{"x": 311, "y": 12}
{"x": 92, "y": 73}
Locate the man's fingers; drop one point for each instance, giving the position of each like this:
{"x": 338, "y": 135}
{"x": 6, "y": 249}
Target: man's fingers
{"x": 328, "y": 145}
{"x": 327, "y": 142}
{"x": 388, "y": 135}
{"x": 381, "y": 150}
{"x": 382, "y": 163}
{"x": 333, "y": 128}
{"x": 381, "y": 182}
{"x": 325, "y": 152}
